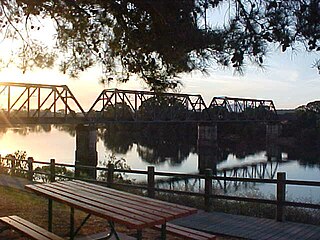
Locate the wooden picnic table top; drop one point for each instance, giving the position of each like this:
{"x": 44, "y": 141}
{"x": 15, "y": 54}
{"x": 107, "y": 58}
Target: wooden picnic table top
{"x": 131, "y": 210}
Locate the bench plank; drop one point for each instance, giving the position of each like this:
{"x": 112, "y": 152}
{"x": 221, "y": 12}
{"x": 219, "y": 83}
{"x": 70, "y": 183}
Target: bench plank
{"x": 186, "y": 233}
{"x": 29, "y": 229}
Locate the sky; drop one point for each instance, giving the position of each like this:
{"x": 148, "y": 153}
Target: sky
{"x": 288, "y": 78}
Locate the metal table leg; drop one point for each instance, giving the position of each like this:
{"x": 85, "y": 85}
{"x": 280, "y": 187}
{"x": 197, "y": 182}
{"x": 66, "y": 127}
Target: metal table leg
{"x": 139, "y": 234}
{"x": 50, "y": 215}
{"x": 163, "y": 231}
{"x": 72, "y": 234}
{"x": 113, "y": 231}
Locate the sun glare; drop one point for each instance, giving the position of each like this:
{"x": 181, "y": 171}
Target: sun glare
{"x": 7, "y": 145}
{"x": 5, "y": 152}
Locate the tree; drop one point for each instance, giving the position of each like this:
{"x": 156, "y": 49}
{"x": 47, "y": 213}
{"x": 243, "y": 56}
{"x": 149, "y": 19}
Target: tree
{"x": 159, "y": 39}
{"x": 162, "y": 108}
{"x": 314, "y": 106}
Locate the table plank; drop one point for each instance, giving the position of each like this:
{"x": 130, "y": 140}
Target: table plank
{"x": 109, "y": 199}
{"x": 143, "y": 217}
{"x": 104, "y": 203}
{"x": 171, "y": 207}
{"x": 129, "y": 222}
{"x": 131, "y": 210}
{"x": 147, "y": 205}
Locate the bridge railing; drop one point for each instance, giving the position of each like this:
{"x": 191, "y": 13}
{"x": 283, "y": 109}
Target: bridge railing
{"x": 52, "y": 171}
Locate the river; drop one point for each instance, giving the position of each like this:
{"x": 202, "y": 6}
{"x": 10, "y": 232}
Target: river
{"x": 174, "y": 152}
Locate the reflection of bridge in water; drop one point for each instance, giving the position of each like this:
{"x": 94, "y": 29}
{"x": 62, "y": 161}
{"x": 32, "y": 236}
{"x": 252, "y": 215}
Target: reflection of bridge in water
{"x": 258, "y": 170}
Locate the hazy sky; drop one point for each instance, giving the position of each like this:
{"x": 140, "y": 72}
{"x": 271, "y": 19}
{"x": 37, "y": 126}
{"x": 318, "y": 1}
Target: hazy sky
{"x": 288, "y": 80}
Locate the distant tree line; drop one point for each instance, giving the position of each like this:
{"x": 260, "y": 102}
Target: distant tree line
{"x": 304, "y": 124}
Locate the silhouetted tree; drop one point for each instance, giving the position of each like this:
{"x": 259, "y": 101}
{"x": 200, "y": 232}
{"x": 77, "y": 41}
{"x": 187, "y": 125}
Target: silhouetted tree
{"x": 159, "y": 39}
{"x": 305, "y": 127}
{"x": 118, "y": 111}
{"x": 162, "y": 108}
{"x": 314, "y": 106}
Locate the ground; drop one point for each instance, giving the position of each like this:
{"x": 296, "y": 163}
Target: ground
{"x": 34, "y": 208}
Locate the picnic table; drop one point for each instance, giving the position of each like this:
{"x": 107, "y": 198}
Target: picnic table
{"x": 117, "y": 207}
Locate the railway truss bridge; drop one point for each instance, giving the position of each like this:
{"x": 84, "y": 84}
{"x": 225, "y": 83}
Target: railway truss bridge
{"x": 24, "y": 103}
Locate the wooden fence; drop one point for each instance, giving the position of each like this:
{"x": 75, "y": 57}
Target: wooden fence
{"x": 26, "y": 169}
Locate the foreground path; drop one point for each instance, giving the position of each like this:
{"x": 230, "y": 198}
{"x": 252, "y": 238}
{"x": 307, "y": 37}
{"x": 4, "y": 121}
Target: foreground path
{"x": 249, "y": 227}
{"x": 14, "y": 182}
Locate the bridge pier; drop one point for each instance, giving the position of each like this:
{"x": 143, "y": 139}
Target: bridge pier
{"x": 207, "y": 147}
{"x": 208, "y": 158}
{"x": 273, "y": 151}
{"x": 86, "y": 150}
{"x": 207, "y": 134}
{"x": 273, "y": 132}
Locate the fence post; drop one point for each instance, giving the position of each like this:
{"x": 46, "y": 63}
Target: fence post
{"x": 151, "y": 182}
{"x": 52, "y": 170}
{"x": 110, "y": 175}
{"x": 30, "y": 168}
{"x": 207, "y": 189}
{"x": 13, "y": 165}
{"x": 224, "y": 180}
{"x": 281, "y": 196}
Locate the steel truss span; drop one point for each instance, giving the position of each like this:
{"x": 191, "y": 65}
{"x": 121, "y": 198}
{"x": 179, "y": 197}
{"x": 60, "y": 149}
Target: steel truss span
{"x": 146, "y": 106}
{"x": 242, "y": 109}
{"x": 23, "y": 103}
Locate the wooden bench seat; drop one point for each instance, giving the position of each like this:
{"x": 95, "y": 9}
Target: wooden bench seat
{"x": 187, "y": 233}
{"x": 28, "y": 229}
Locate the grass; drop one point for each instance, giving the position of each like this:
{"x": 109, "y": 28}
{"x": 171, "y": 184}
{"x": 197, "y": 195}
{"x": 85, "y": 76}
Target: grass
{"x": 34, "y": 209}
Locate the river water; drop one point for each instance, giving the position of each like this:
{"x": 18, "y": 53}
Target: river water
{"x": 174, "y": 153}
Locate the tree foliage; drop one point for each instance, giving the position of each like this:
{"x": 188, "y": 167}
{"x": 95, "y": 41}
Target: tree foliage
{"x": 313, "y": 107}
{"x": 157, "y": 40}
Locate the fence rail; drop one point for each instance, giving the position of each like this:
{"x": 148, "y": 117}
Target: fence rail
{"x": 26, "y": 168}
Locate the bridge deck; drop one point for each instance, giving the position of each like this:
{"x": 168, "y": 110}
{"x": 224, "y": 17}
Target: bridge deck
{"x": 249, "y": 227}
